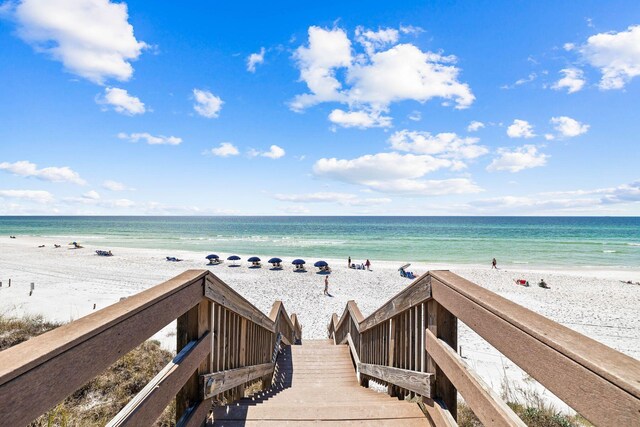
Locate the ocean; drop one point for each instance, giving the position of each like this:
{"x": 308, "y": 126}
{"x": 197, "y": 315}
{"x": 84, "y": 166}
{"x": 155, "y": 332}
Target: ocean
{"x": 526, "y": 241}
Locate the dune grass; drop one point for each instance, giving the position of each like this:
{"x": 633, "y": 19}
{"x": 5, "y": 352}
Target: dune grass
{"x": 95, "y": 403}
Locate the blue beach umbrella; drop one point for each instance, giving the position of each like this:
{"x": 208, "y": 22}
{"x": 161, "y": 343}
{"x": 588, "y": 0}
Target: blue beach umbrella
{"x": 212, "y": 256}
{"x": 275, "y": 261}
{"x": 234, "y": 258}
{"x": 298, "y": 262}
{"x": 320, "y": 264}
{"x": 254, "y": 259}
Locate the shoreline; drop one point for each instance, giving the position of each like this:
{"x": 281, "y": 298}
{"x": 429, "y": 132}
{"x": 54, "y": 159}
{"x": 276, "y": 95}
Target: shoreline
{"x": 69, "y": 282}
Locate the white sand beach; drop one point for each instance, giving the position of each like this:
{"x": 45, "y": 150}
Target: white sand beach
{"x": 68, "y": 282}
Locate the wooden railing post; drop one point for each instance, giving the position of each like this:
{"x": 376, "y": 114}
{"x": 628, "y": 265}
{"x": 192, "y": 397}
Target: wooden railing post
{"x": 192, "y": 325}
{"x": 443, "y": 325}
{"x": 391, "y": 350}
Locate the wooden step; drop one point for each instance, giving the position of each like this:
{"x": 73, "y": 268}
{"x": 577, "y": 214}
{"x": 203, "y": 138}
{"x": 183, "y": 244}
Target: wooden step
{"x": 373, "y": 411}
{"x": 413, "y": 422}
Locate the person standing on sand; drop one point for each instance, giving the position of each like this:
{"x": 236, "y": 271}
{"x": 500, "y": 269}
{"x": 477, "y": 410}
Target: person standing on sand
{"x": 494, "y": 264}
{"x": 326, "y": 285}
{"x": 349, "y": 262}
{"x": 367, "y": 264}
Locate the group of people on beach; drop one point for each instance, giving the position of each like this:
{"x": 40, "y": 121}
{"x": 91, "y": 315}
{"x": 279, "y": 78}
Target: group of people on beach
{"x": 365, "y": 265}
{"x": 521, "y": 282}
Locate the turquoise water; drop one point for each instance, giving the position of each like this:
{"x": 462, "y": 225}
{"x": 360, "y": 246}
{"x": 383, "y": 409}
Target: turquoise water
{"x": 535, "y": 241}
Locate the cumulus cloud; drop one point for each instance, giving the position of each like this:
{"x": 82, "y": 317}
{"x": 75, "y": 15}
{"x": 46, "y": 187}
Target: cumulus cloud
{"x": 92, "y": 38}
{"x": 475, "y": 126}
{"x": 360, "y": 119}
{"x": 384, "y": 73}
{"x": 255, "y": 59}
{"x": 151, "y": 139}
{"x": 115, "y": 186}
{"x": 446, "y": 144}
{"x": 346, "y": 199}
{"x": 520, "y": 129}
{"x": 568, "y": 127}
{"x": 226, "y": 149}
{"x": 573, "y": 80}
{"x": 518, "y": 159}
{"x": 394, "y": 173}
{"x": 121, "y": 101}
{"x": 53, "y": 174}
{"x": 38, "y": 196}
{"x": 616, "y": 55}
{"x": 207, "y": 104}
{"x": 274, "y": 152}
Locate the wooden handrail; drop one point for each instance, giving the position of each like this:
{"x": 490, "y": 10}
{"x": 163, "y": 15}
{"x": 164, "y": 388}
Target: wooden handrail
{"x": 217, "y": 330}
{"x": 416, "y": 331}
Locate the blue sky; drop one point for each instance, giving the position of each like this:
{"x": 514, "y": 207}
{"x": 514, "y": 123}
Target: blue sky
{"x": 410, "y": 108}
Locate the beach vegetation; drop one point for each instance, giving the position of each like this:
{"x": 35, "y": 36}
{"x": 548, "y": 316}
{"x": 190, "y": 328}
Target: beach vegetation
{"x": 95, "y": 403}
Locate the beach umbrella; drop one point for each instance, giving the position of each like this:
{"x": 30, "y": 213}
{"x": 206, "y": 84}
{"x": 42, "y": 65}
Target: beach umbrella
{"x": 254, "y": 259}
{"x": 234, "y": 258}
{"x": 298, "y": 262}
{"x": 275, "y": 261}
{"x": 320, "y": 264}
{"x": 212, "y": 256}
{"x": 404, "y": 267}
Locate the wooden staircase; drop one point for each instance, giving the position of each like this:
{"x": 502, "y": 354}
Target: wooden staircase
{"x": 316, "y": 383}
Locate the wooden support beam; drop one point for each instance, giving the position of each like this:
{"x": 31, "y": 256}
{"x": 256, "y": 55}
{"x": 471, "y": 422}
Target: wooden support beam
{"x": 484, "y": 402}
{"x": 149, "y": 403}
{"x": 443, "y": 325}
{"x": 418, "y": 382}
{"x": 438, "y": 414}
{"x": 219, "y": 382}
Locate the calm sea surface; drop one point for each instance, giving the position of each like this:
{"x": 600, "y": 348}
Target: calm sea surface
{"x": 537, "y": 241}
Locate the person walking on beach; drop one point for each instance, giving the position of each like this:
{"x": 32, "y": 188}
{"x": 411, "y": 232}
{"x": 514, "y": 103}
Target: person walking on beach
{"x": 326, "y": 285}
{"x": 349, "y": 262}
{"x": 494, "y": 264}
{"x": 367, "y": 264}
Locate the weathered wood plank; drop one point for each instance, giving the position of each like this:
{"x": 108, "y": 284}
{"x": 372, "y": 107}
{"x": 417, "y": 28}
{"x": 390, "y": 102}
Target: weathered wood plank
{"x": 219, "y": 382}
{"x": 419, "y": 382}
{"x": 580, "y": 387}
{"x": 219, "y": 292}
{"x": 415, "y": 293}
{"x": 31, "y": 383}
{"x": 483, "y": 401}
{"x": 443, "y": 324}
{"x": 149, "y": 403}
{"x": 616, "y": 367}
{"x": 439, "y": 415}
{"x": 197, "y": 415}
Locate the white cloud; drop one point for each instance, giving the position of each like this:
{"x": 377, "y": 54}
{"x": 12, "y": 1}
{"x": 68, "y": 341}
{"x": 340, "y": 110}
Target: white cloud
{"x": 274, "y": 152}
{"x": 568, "y": 127}
{"x": 151, "y": 139}
{"x": 516, "y": 160}
{"x": 394, "y": 173}
{"x": 531, "y": 77}
{"x": 520, "y": 129}
{"x": 360, "y": 119}
{"x": 91, "y": 195}
{"x": 121, "y": 101}
{"x": 32, "y": 195}
{"x": 115, "y": 186}
{"x": 255, "y": 59}
{"x": 416, "y": 116}
{"x": 376, "y": 40}
{"x": 573, "y": 80}
{"x": 225, "y": 149}
{"x": 330, "y": 197}
{"x": 475, "y": 126}
{"x": 207, "y": 104}
{"x": 384, "y": 73}
{"x": 53, "y": 174}
{"x": 92, "y": 38}
{"x": 549, "y": 136}
{"x": 568, "y": 46}
{"x": 446, "y": 144}
{"x": 616, "y": 55}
